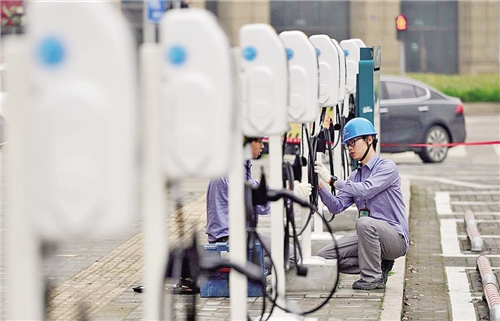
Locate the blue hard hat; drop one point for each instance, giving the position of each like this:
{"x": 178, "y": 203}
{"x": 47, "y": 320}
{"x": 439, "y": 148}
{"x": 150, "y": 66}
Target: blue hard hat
{"x": 357, "y": 127}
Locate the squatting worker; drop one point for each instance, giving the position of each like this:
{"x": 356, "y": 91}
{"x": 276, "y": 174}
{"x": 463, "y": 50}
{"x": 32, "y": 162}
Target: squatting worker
{"x": 217, "y": 229}
{"x": 218, "y": 198}
{"x": 382, "y": 227}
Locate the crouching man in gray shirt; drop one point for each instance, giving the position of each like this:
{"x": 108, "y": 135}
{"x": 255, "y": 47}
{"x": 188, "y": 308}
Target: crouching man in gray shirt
{"x": 382, "y": 233}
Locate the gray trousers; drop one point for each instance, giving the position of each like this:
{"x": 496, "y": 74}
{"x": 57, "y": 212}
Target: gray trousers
{"x": 266, "y": 241}
{"x": 363, "y": 253}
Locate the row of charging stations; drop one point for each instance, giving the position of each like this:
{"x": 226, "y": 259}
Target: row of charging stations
{"x": 73, "y": 130}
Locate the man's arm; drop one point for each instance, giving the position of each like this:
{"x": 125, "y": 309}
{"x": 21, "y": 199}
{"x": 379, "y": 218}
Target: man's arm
{"x": 384, "y": 175}
{"x": 335, "y": 204}
{"x": 263, "y": 209}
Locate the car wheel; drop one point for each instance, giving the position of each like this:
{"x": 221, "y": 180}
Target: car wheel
{"x": 435, "y": 154}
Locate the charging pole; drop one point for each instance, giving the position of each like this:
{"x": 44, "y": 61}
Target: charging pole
{"x": 72, "y": 170}
{"x": 264, "y": 102}
{"x": 238, "y": 285}
{"x": 22, "y": 243}
{"x": 196, "y": 92}
{"x": 153, "y": 202}
{"x": 352, "y": 55}
{"x": 337, "y": 152}
{"x": 302, "y": 102}
{"x": 329, "y": 92}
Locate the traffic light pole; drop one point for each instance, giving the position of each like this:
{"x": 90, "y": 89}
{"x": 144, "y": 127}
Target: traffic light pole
{"x": 402, "y": 60}
{"x": 401, "y": 32}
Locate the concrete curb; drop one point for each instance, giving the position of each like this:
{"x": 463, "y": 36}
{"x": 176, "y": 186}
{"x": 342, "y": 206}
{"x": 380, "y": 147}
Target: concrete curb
{"x": 392, "y": 305}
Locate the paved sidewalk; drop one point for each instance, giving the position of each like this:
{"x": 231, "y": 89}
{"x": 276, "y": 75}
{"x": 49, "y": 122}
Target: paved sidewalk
{"x": 103, "y": 291}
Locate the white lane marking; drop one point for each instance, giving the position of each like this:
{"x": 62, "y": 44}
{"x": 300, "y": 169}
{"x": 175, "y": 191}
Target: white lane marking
{"x": 472, "y": 255}
{"x": 496, "y": 148}
{"x": 475, "y": 203}
{"x": 485, "y": 221}
{"x": 443, "y": 203}
{"x": 449, "y": 181}
{"x": 492, "y": 192}
{"x": 464, "y": 236}
{"x": 449, "y": 237}
{"x": 473, "y": 268}
{"x": 475, "y": 213}
{"x": 460, "y": 296}
{"x": 450, "y": 245}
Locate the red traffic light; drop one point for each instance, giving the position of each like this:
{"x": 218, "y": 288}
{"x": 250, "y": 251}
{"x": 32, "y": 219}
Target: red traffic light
{"x": 401, "y": 24}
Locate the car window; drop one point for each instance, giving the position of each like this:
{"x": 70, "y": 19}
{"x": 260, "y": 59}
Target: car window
{"x": 419, "y": 91}
{"x": 398, "y": 90}
{"x": 435, "y": 95}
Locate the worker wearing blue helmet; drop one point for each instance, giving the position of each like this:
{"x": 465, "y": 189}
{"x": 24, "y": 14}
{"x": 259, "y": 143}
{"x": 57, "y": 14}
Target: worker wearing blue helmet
{"x": 382, "y": 226}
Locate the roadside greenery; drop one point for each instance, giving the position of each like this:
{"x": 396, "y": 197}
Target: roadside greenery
{"x": 469, "y": 88}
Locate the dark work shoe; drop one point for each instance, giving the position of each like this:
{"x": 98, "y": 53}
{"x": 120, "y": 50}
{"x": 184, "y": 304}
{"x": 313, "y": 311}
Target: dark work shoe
{"x": 364, "y": 285}
{"x": 186, "y": 286}
{"x": 386, "y": 268}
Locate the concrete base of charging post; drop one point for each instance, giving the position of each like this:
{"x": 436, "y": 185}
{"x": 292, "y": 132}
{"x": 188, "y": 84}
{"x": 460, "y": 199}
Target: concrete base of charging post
{"x": 320, "y": 240}
{"x": 318, "y": 270}
{"x": 344, "y": 221}
{"x": 343, "y": 224}
{"x": 217, "y": 284}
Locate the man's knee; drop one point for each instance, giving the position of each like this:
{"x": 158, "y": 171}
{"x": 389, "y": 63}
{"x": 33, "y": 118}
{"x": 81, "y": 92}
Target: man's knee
{"x": 327, "y": 252}
{"x": 322, "y": 253}
{"x": 363, "y": 223}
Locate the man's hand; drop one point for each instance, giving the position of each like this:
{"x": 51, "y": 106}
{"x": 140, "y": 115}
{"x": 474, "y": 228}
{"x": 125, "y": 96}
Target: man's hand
{"x": 302, "y": 190}
{"x": 322, "y": 171}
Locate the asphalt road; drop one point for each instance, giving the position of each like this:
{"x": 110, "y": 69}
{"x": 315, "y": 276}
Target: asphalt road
{"x": 441, "y": 281}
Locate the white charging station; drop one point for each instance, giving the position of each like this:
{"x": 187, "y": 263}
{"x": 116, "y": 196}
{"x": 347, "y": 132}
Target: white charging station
{"x": 304, "y": 101}
{"x": 187, "y": 98}
{"x": 329, "y": 70}
{"x": 330, "y": 82}
{"x": 342, "y": 70}
{"x": 302, "y": 77}
{"x": 343, "y": 109}
{"x": 264, "y": 82}
{"x": 264, "y": 106}
{"x": 306, "y": 59}
{"x": 351, "y": 50}
{"x": 82, "y": 120}
{"x": 72, "y": 130}
{"x": 337, "y": 152}
{"x": 196, "y": 87}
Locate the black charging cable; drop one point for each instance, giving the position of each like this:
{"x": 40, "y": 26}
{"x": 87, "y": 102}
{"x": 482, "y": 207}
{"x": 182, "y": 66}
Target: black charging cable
{"x": 312, "y": 178}
{"x": 290, "y": 222}
{"x": 273, "y": 195}
{"x": 330, "y": 295}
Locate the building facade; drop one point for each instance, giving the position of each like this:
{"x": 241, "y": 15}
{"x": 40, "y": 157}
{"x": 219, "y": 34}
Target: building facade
{"x": 445, "y": 37}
